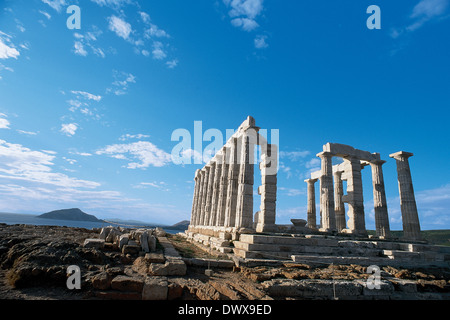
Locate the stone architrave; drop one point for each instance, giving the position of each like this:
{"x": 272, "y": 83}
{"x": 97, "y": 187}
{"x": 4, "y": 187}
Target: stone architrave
{"x": 221, "y": 203}
{"x": 311, "y": 208}
{"x": 339, "y": 207}
{"x": 209, "y": 193}
{"x": 355, "y": 200}
{"x": 410, "y": 217}
{"x": 327, "y": 193}
{"x": 268, "y": 190}
{"x": 379, "y": 200}
{"x": 216, "y": 190}
{"x": 232, "y": 189}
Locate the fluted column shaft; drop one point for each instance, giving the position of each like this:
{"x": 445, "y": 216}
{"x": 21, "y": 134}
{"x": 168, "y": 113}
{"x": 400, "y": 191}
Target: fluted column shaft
{"x": 221, "y": 202}
{"x": 410, "y": 217}
{"x": 339, "y": 207}
{"x": 379, "y": 200}
{"x": 311, "y": 206}
{"x": 205, "y": 195}
{"x": 215, "y": 192}
{"x": 209, "y": 193}
{"x": 327, "y": 193}
{"x": 195, "y": 198}
{"x": 356, "y": 216}
{"x": 232, "y": 189}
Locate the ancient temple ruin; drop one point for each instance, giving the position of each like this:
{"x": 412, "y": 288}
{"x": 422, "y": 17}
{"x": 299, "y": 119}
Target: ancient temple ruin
{"x": 223, "y": 216}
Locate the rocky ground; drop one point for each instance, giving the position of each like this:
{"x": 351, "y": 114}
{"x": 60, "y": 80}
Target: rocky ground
{"x": 34, "y": 261}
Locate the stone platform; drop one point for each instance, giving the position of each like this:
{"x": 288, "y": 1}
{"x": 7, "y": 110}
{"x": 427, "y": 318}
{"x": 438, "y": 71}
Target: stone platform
{"x": 321, "y": 249}
{"x": 325, "y": 249}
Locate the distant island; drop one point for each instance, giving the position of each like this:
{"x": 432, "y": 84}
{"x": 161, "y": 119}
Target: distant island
{"x": 69, "y": 214}
{"x": 182, "y": 225}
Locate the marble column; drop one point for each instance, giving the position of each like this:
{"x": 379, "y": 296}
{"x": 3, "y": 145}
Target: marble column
{"x": 311, "y": 208}
{"x": 355, "y": 200}
{"x": 339, "y": 208}
{"x": 410, "y": 217}
{"x": 195, "y": 198}
{"x": 198, "y": 216}
{"x": 221, "y": 202}
{"x": 244, "y": 207}
{"x": 209, "y": 193}
{"x": 268, "y": 189}
{"x": 232, "y": 189}
{"x": 207, "y": 169}
{"x": 327, "y": 193}
{"x": 379, "y": 200}
{"x": 216, "y": 190}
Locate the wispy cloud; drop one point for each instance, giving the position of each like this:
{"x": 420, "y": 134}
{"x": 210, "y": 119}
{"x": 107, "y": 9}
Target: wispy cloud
{"x": 4, "y": 123}
{"x": 56, "y": 4}
{"x": 244, "y": 13}
{"x": 133, "y": 136}
{"x": 120, "y": 27}
{"x": 69, "y": 129}
{"x": 122, "y": 81}
{"x": 423, "y": 12}
{"x": 7, "y": 48}
{"x": 145, "y": 152}
{"x": 87, "y": 95}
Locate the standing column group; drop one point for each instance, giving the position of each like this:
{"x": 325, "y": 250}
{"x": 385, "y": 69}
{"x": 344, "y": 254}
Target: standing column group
{"x": 223, "y": 192}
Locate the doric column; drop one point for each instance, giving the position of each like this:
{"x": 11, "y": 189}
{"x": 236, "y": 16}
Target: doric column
{"x": 244, "y": 207}
{"x": 379, "y": 200}
{"x": 339, "y": 208}
{"x": 207, "y": 169}
{"x": 410, "y": 217}
{"x": 268, "y": 189}
{"x": 311, "y": 208}
{"x": 209, "y": 193}
{"x": 355, "y": 200}
{"x": 327, "y": 193}
{"x": 215, "y": 192}
{"x": 198, "y": 216}
{"x": 232, "y": 189}
{"x": 221, "y": 203}
{"x": 195, "y": 198}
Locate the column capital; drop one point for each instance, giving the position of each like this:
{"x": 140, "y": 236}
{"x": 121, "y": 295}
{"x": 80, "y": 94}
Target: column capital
{"x": 325, "y": 154}
{"x": 311, "y": 180}
{"x": 401, "y": 155}
{"x": 377, "y": 162}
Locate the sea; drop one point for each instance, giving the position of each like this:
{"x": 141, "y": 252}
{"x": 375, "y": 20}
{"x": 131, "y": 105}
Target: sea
{"x": 29, "y": 219}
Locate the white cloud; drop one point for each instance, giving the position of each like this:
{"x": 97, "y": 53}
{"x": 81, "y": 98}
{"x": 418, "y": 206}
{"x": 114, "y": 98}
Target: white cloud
{"x": 87, "y": 95}
{"x": 158, "y": 52}
{"x": 294, "y": 155}
{"x": 115, "y": 4}
{"x": 120, "y": 27}
{"x": 424, "y": 11}
{"x": 69, "y": 129}
{"x": 7, "y": 49}
{"x": 244, "y": 13}
{"x": 56, "y": 4}
{"x": 29, "y": 133}
{"x": 260, "y": 42}
{"x": 172, "y": 63}
{"x": 121, "y": 82}
{"x": 46, "y": 14}
{"x": 246, "y": 23}
{"x": 4, "y": 123}
{"x": 79, "y": 49}
{"x": 146, "y": 152}
{"x": 133, "y": 136}
{"x": 145, "y": 17}
{"x": 155, "y": 31}
{"x": 292, "y": 192}
{"x": 161, "y": 185}
{"x": 20, "y": 163}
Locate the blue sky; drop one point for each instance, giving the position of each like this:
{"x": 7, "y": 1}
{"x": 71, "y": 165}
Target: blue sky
{"x": 86, "y": 116}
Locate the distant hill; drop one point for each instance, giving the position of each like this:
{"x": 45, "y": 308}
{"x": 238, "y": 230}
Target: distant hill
{"x": 69, "y": 214}
{"x": 182, "y": 225}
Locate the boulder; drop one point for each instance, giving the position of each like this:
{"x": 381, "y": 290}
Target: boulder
{"x": 123, "y": 240}
{"x": 131, "y": 249}
{"x": 152, "y": 243}
{"x": 105, "y": 231}
{"x": 113, "y": 235}
{"x": 159, "y": 232}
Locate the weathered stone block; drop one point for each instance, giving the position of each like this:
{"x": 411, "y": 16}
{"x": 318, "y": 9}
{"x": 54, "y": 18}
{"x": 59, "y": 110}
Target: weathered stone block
{"x": 94, "y": 243}
{"x": 126, "y": 283}
{"x": 155, "y": 288}
{"x": 131, "y": 249}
